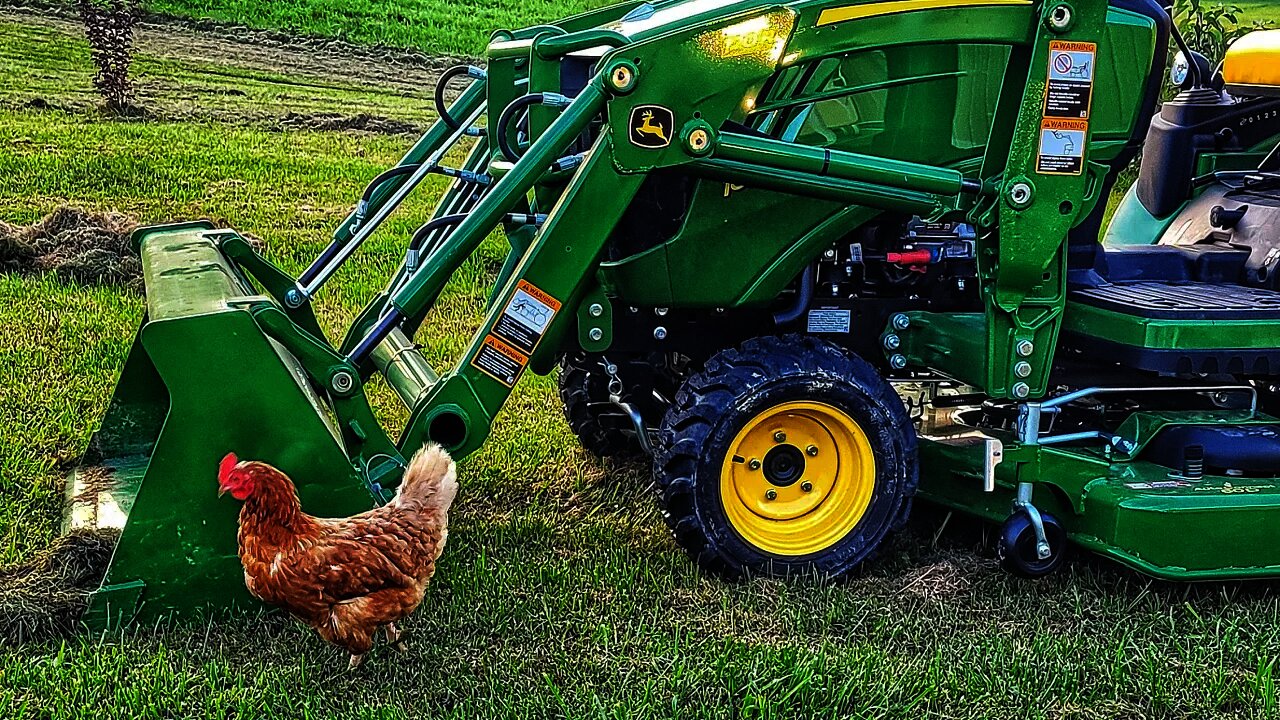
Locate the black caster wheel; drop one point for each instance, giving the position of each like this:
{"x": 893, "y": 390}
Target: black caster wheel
{"x": 1016, "y": 550}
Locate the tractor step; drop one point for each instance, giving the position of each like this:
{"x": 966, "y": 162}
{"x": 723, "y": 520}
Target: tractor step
{"x": 1177, "y": 328}
{"x": 1184, "y": 301}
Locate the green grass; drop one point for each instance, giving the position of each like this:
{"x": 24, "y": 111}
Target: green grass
{"x": 448, "y": 26}
{"x": 561, "y": 594}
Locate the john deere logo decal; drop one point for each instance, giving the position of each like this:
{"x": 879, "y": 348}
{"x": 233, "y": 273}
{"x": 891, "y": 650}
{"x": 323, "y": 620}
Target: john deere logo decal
{"x": 651, "y": 126}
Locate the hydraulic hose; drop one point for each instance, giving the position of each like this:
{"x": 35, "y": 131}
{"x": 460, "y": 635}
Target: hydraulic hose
{"x": 513, "y": 111}
{"x": 470, "y": 71}
{"x": 420, "y": 235}
{"x": 803, "y": 299}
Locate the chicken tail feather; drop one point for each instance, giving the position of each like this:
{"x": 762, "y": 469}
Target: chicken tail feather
{"x": 431, "y": 479}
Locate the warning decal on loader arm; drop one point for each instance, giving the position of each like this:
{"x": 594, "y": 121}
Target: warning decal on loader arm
{"x": 1062, "y": 147}
{"x": 1069, "y": 92}
{"x": 500, "y": 361}
{"x": 526, "y": 318}
{"x": 1068, "y": 98}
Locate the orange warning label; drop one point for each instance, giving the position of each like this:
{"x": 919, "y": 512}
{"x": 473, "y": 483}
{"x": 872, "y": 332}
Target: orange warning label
{"x": 537, "y": 293}
{"x": 1069, "y": 46}
{"x": 1060, "y": 124}
{"x": 500, "y": 361}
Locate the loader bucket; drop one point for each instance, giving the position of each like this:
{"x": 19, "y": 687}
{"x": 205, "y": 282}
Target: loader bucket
{"x": 201, "y": 380}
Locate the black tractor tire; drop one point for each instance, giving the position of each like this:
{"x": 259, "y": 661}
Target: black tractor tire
{"x": 767, "y": 378}
{"x": 602, "y": 428}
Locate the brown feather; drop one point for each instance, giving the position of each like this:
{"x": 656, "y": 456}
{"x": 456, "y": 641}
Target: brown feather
{"x": 345, "y": 577}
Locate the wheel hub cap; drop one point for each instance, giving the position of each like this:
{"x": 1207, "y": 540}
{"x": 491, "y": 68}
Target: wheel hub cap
{"x": 797, "y": 478}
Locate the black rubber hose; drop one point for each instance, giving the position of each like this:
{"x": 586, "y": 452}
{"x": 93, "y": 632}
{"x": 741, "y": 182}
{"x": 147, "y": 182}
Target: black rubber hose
{"x": 386, "y": 175}
{"x": 420, "y": 235}
{"x": 513, "y": 110}
{"x": 441, "y": 84}
{"x": 803, "y": 299}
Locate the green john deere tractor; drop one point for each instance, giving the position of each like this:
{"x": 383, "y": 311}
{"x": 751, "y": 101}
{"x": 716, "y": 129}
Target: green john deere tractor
{"x": 817, "y": 258}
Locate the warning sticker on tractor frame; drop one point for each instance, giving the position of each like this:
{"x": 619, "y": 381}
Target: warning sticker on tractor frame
{"x": 1062, "y": 147}
{"x": 526, "y": 318}
{"x": 500, "y": 361}
{"x": 1069, "y": 92}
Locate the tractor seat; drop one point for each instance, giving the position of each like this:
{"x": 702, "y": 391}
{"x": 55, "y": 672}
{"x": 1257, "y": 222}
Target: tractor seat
{"x": 1252, "y": 65}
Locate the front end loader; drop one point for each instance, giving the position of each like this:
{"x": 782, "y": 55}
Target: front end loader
{"x": 816, "y": 259}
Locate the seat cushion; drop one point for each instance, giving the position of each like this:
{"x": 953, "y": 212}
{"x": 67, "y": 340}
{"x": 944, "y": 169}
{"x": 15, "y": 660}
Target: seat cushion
{"x": 1252, "y": 66}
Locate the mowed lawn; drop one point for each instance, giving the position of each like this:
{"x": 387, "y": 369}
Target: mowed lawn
{"x": 561, "y": 594}
{"x": 452, "y": 26}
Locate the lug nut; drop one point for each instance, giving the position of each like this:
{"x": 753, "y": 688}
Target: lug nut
{"x": 596, "y": 309}
{"x": 770, "y": 494}
{"x": 806, "y": 486}
{"x": 780, "y": 437}
{"x": 754, "y": 464}
{"x": 596, "y": 333}
{"x": 811, "y": 451}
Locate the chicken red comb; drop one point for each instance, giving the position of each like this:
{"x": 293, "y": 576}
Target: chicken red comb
{"x": 226, "y": 466}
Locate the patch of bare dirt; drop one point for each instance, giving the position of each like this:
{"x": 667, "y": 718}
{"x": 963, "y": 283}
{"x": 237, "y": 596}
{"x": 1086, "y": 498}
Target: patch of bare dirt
{"x": 76, "y": 245}
{"x": 46, "y": 596}
{"x": 405, "y": 71}
{"x": 363, "y": 122}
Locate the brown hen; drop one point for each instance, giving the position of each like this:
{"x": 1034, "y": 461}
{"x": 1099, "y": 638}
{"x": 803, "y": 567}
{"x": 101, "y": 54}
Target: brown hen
{"x": 344, "y": 577}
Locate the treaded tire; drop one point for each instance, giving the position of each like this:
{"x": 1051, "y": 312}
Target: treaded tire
{"x": 584, "y": 387}
{"x": 735, "y": 386}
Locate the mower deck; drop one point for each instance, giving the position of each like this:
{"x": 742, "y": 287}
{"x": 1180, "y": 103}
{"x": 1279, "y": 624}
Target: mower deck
{"x": 1126, "y": 507}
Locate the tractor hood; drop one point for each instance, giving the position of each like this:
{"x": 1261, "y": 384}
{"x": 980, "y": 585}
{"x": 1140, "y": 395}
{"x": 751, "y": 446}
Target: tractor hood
{"x": 647, "y": 19}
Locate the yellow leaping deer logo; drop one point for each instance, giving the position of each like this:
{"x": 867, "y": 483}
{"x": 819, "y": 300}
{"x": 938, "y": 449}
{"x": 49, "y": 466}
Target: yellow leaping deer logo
{"x": 648, "y": 128}
{"x": 651, "y": 126}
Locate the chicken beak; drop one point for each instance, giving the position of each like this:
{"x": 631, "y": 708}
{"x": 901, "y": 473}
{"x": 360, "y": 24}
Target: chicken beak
{"x": 221, "y": 491}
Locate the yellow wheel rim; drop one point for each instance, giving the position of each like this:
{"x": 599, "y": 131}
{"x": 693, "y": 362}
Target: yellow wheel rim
{"x": 797, "y": 478}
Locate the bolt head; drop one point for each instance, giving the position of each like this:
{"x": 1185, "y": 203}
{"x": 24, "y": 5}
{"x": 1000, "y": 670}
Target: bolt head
{"x": 596, "y": 309}
{"x": 1025, "y": 348}
{"x": 753, "y": 464}
{"x": 660, "y": 312}
{"x": 1022, "y": 369}
{"x": 596, "y": 334}
{"x": 1060, "y": 18}
{"x": 1020, "y": 193}
{"x": 892, "y": 342}
{"x": 342, "y": 381}
{"x": 901, "y": 321}
{"x": 811, "y": 451}
{"x": 699, "y": 140}
{"x": 659, "y": 333}
{"x": 829, "y": 254}
{"x": 897, "y": 362}
{"x": 780, "y": 437}
{"x": 806, "y": 486}
{"x": 770, "y": 494}
{"x": 622, "y": 78}
{"x": 1021, "y": 390}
